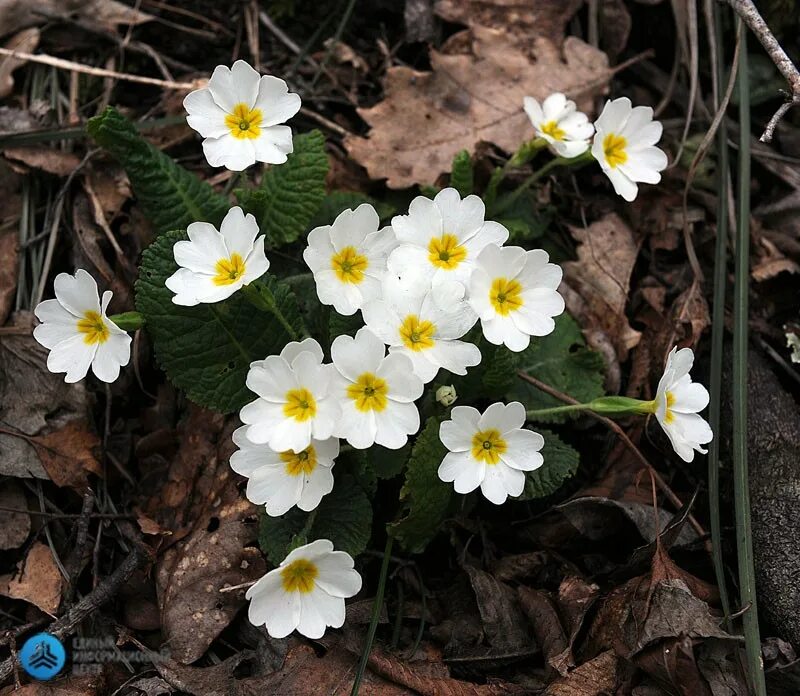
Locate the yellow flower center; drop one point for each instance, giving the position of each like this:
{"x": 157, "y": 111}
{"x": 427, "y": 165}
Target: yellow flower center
{"x": 298, "y": 463}
{"x": 488, "y": 445}
{"x": 506, "y": 295}
{"x": 445, "y": 252}
{"x": 228, "y": 270}
{"x": 417, "y": 335}
{"x": 349, "y": 265}
{"x": 551, "y": 128}
{"x": 300, "y": 405}
{"x": 244, "y": 122}
{"x": 614, "y": 149}
{"x": 299, "y": 576}
{"x": 669, "y": 416}
{"x": 369, "y": 392}
{"x": 93, "y": 327}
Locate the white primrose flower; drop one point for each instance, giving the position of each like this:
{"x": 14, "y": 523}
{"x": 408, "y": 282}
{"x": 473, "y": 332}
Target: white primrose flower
{"x": 558, "y": 121}
{"x": 624, "y": 145}
{"x": 294, "y": 401}
{"x": 677, "y": 403}
{"x": 348, "y": 258}
{"x": 515, "y": 295}
{"x": 77, "y": 331}
{"x": 238, "y": 115}
{"x": 215, "y": 264}
{"x": 281, "y": 480}
{"x": 425, "y": 326}
{"x": 491, "y": 450}
{"x": 440, "y": 239}
{"x": 376, "y": 392}
{"x": 306, "y": 592}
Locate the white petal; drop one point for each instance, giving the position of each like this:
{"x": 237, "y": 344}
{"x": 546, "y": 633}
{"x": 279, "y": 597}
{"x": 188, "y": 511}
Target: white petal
{"x": 395, "y": 424}
{"x": 236, "y": 154}
{"x": 337, "y": 575}
{"x": 503, "y": 417}
{"x": 354, "y": 356}
{"x": 237, "y": 85}
{"x": 73, "y": 357}
{"x": 455, "y": 436}
{"x": 318, "y": 610}
{"x": 277, "y": 104}
{"x": 500, "y": 482}
{"x": 272, "y": 378}
{"x": 111, "y": 355}
{"x": 272, "y": 607}
{"x": 317, "y": 485}
{"x": 292, "y": 349}
{"x": 455, "y": 356}
{"x": 523, "y": 450}
{"x": 77, "y": 293}
{"x": 238, "y": 232}
{"x": 465, "y": 472}
{"x": 357, "y": 427}
{"x": 273, "y": 144}
{"x": 204, "y": 114}
{"x": 404, "y": 386}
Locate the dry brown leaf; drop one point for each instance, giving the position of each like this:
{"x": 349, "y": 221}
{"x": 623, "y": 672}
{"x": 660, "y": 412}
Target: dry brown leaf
{"x": 38, "y": 580}
{"x": 428, "y": 117}
{"x": 26, "y": 42}
{"x": 18, "y": 14}
{"x": 601, "y": 276}
{"x": 70, "y": 685}
{"x": 597, "y": 677}
{"x": 33, "y": 400}
{"x": 772, "y": 262}
{"x": 47, "y": 159}
{"x": 9, "y": 268}
{"x": 522, "y": 19}
{"x": 14, "y": 526}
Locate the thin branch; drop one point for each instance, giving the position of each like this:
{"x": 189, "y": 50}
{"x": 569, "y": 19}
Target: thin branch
{"x": 753, "y": 19}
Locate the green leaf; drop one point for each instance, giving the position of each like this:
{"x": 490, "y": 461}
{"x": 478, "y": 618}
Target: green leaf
{"x": 387, "y": 463}
{"x": 425, "y": 496}
{"x": 206, "y": 350}
{"x": 339, "y": 324}
{"x": 562, "y": 361}
{"x": 344, "y": 516}
{"x": 526, "y": 219}
{"x": 291, "y": 193}
{"x": 171, "y": 197}
{"x": 560, "y": 463}
{"x": 495, "y": 374}
{"x": 337, "y": 201}
{"x": 462, "y": 177}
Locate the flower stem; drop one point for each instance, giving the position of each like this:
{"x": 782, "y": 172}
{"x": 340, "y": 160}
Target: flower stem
{"x": 376, "y": 613}
{"x": 128, "y": 321}
{"x": 606, "y": 405}
{"x": 261, "y": 297}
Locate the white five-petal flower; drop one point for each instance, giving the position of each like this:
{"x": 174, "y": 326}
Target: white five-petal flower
{"x": 281, "y": 480}
{"x": 678, "y": 401}
{"x": 215, "y": 264}
{"x": 294, "y": 401}
{"x": 239, "y": 116}
{"x": 624, "y": 145}
{"x": 348, "y": 258}
{"x": 77, "y": 331}
{"x": 440, "y": 239}
{"x": 515, "y": 295}
{"x": 306, "y": 592}
{"x": 491, "y": 450}
{"x": 376, "y": 392}
{"x": 558, "y": 121}
{"x": 425, "y": 326}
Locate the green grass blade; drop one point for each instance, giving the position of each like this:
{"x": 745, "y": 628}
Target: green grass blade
{"x": 744, "y": 539}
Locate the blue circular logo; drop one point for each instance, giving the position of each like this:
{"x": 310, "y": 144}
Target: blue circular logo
{"x": 42, "y": 656}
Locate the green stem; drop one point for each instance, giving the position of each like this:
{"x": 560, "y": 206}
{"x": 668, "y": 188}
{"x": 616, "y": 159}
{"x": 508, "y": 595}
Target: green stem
{"x": 605, "y": 405}
{"x": 578, "y": 161}
{"x": 262, "y": 298}
{"x": 128, "y": 321}
{"x": 533, "y": 413}
{"x": 376, "y": 613}
{"x": 744, "y": 538}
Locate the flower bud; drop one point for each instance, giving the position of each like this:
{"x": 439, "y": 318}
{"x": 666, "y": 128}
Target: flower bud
{"x": 446, "y": 396}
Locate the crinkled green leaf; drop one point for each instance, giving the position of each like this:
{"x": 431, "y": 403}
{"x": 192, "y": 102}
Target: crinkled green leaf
{"x": 526, "y": 219}
{"x": 344, "y": 516}
{"x": 462, "y": 177}
{"x": 560, "y": 463}
{"x": 170, "y": 196}
{"x": 425, "y": 496}
{"x": 563, "y": 361}
{"x": 206, "y": 350}
{"x": 490, "y": 379}
{"x": 387, "y": 463}
{"x": 339, "y": 324}
{"x": 291, "y": 193}
{"x": 337, "y": 201}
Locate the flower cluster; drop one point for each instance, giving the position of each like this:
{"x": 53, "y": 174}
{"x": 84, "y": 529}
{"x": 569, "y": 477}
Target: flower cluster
{"x": 622, "y": 140}
{"x": 422, "y": 285}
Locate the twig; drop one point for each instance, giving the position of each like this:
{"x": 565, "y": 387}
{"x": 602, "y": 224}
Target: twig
{"x": 660, "y": 482}
{"x": 54, "y": 62}
{"x": 753, "y": 19}
{"x": 94, "y": 600}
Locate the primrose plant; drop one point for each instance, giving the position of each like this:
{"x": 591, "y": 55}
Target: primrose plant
{"x": 361, "y": 345}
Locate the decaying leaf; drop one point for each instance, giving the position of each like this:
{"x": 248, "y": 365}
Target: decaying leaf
{"x": 601, "y": 276}
{"x": 522, "y": 19}
{"x": 597, "y": 677}
{"x": 46, "y": 159}
{"x": 18, "y": 14}
{"x": 14, "y": 526}
{"x": 9, "y": 257}
{"x": 38, "y": 580}
{"x": 426, "y": 118}
{"x": 26, "y": 42}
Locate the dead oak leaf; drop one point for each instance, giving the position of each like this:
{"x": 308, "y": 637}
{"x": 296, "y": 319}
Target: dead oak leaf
{"x": 426, "y": 118}
{"x": 601, "y": 276}
{"x": 596, "y": 677}
{"x": 38, "y": 581}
